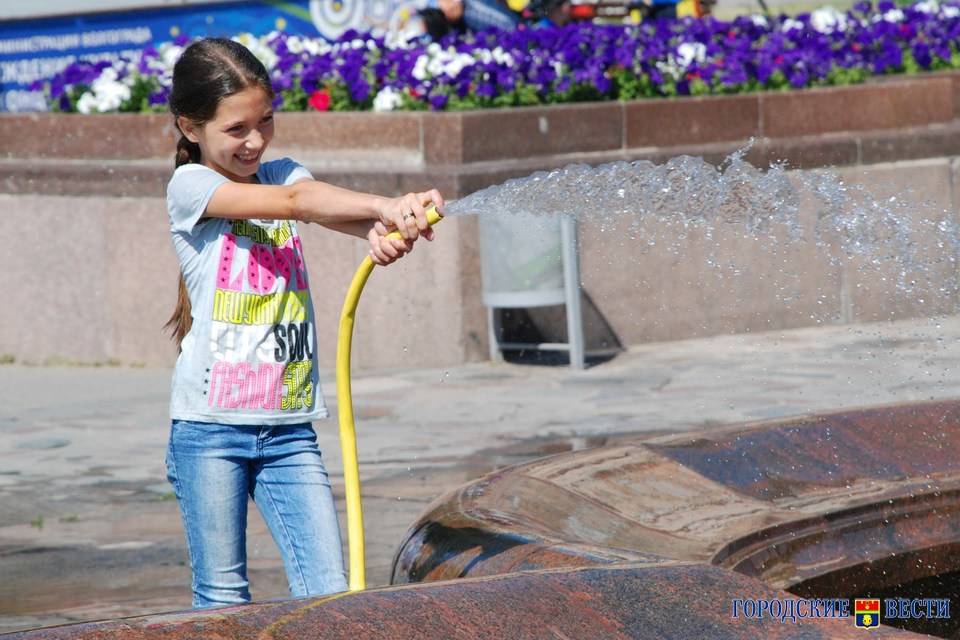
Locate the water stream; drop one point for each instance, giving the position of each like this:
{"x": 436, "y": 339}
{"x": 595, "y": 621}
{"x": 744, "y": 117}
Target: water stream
{"x": 648, "y": 205}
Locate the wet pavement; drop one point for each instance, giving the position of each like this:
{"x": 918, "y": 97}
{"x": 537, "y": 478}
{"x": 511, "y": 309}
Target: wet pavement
{"x": 89, "y": 529}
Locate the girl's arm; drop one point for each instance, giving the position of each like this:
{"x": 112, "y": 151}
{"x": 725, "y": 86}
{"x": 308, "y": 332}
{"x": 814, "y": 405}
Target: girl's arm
{"x": 359, "y": 214}
{"x": 306, "y": 200}
{"x": 357, "y": 228}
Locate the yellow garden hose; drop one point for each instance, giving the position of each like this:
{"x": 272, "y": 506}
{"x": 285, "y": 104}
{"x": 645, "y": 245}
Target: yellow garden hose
{"x": 348, "y": 436}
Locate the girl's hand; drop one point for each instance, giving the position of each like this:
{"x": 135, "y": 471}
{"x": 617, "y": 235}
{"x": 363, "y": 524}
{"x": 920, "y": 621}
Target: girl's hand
{"x": 408, "y": 215}
{"x": 384, "y": 250}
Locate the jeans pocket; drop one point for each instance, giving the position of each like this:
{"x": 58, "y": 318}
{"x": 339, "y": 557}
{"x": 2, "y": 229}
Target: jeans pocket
{"x": 172, "y": 470}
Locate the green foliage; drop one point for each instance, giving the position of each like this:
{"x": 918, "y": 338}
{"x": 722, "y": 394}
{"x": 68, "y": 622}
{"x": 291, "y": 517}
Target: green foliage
{"x": 698, "y": 87}
{"x": 294, "y": 98}
{"x": 522, "y": 95}
{"x": 139, "y": 100}
{"x": 777, "y": 80}
{"x": 909, "y": 64}
{"x": 340, "y": 99}
{"x": 841, "y": 76}
{"x": 630, "y": 86}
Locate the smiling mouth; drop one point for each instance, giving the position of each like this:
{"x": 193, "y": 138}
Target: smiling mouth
{"x": 248, "y": 159}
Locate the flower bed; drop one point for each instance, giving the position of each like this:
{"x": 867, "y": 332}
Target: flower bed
{"x": 580, "y": 62}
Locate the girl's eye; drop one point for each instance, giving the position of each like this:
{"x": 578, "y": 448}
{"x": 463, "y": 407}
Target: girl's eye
{"x": 268, "y": 118}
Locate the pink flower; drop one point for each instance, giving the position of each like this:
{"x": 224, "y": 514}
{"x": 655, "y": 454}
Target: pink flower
{"x": 320, "y": 100}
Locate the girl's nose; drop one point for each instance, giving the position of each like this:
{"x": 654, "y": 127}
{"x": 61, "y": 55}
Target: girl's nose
{"x": 254, "y": 141}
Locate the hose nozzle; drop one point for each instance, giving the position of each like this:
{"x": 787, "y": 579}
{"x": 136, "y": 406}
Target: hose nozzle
{"x": 433, "y": 215}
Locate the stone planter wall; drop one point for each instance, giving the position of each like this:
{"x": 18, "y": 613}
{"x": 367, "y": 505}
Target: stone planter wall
{"x": 94, "y": 275}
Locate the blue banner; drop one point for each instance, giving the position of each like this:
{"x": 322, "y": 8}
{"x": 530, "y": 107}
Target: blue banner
{"x": 36, "y": 49}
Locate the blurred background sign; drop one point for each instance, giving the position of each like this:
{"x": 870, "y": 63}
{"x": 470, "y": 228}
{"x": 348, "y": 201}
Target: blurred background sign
{"x": 39, "y": 39}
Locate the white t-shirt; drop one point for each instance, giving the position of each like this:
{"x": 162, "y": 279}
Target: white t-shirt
{"x": 250, "y": 356}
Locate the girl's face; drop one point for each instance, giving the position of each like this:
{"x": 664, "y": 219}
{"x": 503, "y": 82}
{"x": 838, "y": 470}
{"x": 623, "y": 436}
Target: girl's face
{"x": 233, "y": 142}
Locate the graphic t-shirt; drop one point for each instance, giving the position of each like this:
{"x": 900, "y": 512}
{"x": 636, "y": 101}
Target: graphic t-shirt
{"x": 250, "y": 356}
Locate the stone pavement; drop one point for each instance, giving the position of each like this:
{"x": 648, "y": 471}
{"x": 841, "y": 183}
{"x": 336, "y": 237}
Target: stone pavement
{"x": 89, "y": 529}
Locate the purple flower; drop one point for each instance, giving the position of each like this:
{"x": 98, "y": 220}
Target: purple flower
{"x": 579, "y": 61}
{"x": 438, "y": 101}
{"x": 360, "y": 90}
{"x": 921, "y": 53}
{"x": 485, "y": 90}
{"x": 799, "y": 77}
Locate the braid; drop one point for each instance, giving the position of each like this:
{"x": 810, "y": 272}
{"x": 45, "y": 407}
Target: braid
{"x": 180, "y": 322}
{"x": 187, "y": 152}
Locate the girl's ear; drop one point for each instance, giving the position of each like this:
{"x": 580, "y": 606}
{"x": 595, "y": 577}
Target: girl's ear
{"x": 188, "y": 129}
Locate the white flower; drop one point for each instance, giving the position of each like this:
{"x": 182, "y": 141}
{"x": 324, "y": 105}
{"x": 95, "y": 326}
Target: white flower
{"x": 316, "y": 46}
{"x": 169, "y": 54}
{"x": 457, "y": 64}
{"x": 109, "y": 94}
{"x": 759, "y": 20}
{"x": 403, "y": 37}
{"x": 894, "y": 15}
{"x": 295, "y": 45}
{"x": 258, "y": 48}
{"x": 86, "y": 103}
{"x": 790, "y": 24}
{"x": 828, "y": 20}
{"x": 690, "y": 52}
{"x": 387, "y": 99}
{"x": 927, "y": 6}
{"x": 950, "y": 12}
{"x": 502, "y": 57}
{"x": 420, "y": 68}
{"x": 106, "y": 93}
{"x": 435, "y": 66}
{"x": 669, "y": 68}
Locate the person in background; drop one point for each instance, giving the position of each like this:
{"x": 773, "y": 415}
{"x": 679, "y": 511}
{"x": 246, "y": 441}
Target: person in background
{"x": 440, "y": 17}
{"x": 658, "y": 9}
{"x": 547, "y": 13}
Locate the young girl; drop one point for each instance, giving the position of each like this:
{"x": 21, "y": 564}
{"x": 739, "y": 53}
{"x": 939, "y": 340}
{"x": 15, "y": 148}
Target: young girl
{"x": 245, "y": 386}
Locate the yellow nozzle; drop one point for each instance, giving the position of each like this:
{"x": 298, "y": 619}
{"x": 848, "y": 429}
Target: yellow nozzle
{"x": 348, "y": 436}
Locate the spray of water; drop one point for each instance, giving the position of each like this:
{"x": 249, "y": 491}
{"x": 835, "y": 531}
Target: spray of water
{"x": 667, "y": 202}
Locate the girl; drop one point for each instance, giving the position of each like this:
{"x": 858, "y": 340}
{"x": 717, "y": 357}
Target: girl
{"x": 245, "y": 386}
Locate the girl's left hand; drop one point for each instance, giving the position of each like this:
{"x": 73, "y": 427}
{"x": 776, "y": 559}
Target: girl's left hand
{"x": 406, "y": 214}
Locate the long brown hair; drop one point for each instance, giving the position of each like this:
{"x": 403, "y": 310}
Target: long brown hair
{"x": 208, "y": 71}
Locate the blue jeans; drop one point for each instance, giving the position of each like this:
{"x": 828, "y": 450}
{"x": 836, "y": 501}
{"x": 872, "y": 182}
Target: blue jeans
{"x": 214, "y": 467}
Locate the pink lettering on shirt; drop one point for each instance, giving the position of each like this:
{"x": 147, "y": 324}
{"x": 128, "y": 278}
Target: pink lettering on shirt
{"x": 260, "y": 269}
{"x": 242, "y": 386}
{"x": 228, "y": 248}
